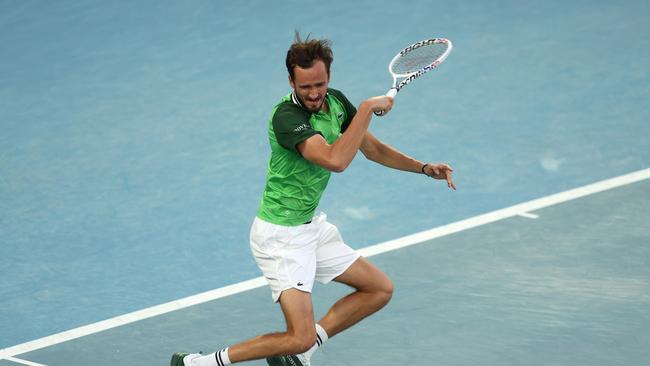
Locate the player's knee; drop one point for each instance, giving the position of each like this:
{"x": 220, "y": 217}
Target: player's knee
{"x": 306, "y": 344}
{"x": 385, "y": 292}
{"x": 382, "y": 292}
{"x": 300, "y": 343}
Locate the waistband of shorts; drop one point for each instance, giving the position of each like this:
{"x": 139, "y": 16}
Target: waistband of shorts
{"x": 317, "y": 219}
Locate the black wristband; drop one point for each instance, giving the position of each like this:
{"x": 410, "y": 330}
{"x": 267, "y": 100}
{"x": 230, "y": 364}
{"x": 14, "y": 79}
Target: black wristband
{"x": 423, "y": 166}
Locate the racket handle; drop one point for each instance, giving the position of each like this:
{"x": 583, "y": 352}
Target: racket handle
{"x": 391, "y": 93}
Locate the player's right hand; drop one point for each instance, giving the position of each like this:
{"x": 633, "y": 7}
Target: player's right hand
{"x": 381, "y": 103}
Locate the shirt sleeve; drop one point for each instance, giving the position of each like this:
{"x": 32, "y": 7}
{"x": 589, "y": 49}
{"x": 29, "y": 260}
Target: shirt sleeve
{"x": 350, "y": 109}
{"x": 291, "y": 126}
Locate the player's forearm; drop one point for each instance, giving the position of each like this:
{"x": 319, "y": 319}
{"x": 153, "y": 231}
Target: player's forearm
{"x": 345, "y": 148}
{"x": 390, "y": 157}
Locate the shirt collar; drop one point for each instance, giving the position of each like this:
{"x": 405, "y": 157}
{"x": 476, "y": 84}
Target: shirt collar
{"x": 295, "y": 100}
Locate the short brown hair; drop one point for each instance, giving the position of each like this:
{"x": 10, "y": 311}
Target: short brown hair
{"x": 304, "y": 53}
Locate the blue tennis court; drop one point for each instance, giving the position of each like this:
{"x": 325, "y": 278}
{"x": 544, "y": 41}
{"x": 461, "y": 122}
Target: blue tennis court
{"x": 134, "y": 150}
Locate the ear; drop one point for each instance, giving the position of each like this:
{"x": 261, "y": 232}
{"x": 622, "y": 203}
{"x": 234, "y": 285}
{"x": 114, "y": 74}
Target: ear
{"x": 291, "y": 82}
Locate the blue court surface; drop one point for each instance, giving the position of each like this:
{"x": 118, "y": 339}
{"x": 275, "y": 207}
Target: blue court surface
{"x": 133, "y": 152}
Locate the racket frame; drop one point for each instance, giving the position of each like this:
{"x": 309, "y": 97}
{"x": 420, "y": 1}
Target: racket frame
{"x": 408, "y": 77}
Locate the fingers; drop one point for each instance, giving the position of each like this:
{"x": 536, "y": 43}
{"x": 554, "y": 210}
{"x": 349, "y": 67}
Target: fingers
{"x": 446, "y": 167}
{"x": 447, "y": 176}
{"x": 383, "y": 112}
{"x": 450, "y": 182}
{"x": 442, "y": 171}
{"x": 382, "y": 105}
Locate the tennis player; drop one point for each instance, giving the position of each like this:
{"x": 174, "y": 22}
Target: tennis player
{"x": 313, "y": 131}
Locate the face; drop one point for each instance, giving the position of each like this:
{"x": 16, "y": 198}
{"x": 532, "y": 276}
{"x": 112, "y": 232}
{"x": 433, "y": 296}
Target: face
{"x": 310, "y": 85}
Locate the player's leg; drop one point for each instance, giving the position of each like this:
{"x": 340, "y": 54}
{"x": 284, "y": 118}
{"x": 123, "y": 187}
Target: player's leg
{"x": 298, "y": 338}
{"x": 287, "y": 258}
{"x": 373, "y": 291}
{"x": 336, "y": 261}
{"x": 339, "y": 262}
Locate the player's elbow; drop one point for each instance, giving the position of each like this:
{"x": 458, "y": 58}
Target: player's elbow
{"x": 372, "y": 149}
{"x": 331, "y": 164}
{"x": 370, "y": 154}
{"x": 336, "y": 163}
{"x": 338, "y": 166}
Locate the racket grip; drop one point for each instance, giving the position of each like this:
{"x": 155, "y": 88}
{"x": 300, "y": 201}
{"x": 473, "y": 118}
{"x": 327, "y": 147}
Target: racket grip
{"x": 391, "y": 93}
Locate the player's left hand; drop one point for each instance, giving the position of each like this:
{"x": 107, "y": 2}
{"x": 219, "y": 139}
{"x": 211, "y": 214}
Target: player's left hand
{"x": 440, "y": 171}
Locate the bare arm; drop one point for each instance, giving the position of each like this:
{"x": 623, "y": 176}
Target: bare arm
{"x": 386, "y": 155}
{"x": 337, "y": 156}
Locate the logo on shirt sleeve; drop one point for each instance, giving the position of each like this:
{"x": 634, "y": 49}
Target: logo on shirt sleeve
{"x": 302, "y": 127}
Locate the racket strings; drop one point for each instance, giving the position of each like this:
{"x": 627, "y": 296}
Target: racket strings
{"x": 418, "y": 58}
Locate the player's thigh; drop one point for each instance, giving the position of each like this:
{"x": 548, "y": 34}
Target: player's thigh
{"x": 285, "y": 255}
{"x": 298, "y": 311}
{"x": 365, "y": 276}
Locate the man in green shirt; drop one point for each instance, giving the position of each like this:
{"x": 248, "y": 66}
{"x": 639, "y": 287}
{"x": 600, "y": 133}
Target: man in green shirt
{"x": 313, "y": 131}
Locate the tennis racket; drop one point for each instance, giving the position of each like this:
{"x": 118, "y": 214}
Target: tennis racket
{"x": 415, "y": 61}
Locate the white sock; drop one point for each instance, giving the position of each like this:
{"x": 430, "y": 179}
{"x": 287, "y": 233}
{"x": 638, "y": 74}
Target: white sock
{"x": 213, "y": 359}
{"x": 321, "y": 338}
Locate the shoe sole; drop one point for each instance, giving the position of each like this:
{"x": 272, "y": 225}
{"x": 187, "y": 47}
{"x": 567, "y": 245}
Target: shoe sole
{"x": 280, "y": 361}
{"x": 274, "y": 361}
{"x": 177, "y": 359}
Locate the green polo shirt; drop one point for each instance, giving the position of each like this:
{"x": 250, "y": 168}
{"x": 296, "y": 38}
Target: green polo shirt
{"x": 294, "y": 185}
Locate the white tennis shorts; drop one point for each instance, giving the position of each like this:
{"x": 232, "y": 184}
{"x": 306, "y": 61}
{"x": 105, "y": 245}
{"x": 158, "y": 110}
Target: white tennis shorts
{"x": 295, "y": 256}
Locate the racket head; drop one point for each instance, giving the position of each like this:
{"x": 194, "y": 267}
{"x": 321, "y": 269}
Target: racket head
{"x": 420, "y": 57}
{"x": 415, "y": 61}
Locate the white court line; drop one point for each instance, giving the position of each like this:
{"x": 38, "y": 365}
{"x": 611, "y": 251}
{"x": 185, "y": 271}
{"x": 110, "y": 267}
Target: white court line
{"x": 23, "y": 362}
{"x": 528, "y": 215}
{"x": 505, "y": 213}
{"x": 368, "y": 251}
